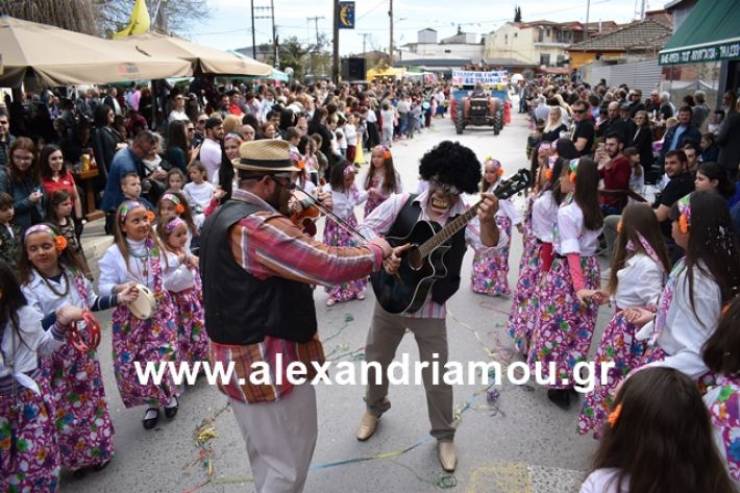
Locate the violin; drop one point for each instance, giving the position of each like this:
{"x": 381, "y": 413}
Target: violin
{"x": 306, "y": 211}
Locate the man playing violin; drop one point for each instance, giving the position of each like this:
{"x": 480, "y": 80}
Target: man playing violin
{"x": 257, "y": 268}
{"x": 450, "y": 169}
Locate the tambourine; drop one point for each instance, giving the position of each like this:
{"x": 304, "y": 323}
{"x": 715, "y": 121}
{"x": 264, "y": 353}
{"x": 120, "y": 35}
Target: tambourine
{"x": 91, "y": 326}
{"x": 145, "y": 304}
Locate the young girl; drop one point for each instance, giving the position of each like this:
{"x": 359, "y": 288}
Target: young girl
{"x": 706, "y": 278}
{"x": 55, "y": 177}
{"x": 723, "y": 396}
{"x": 565, "y": 318}
{"x": 491, "y": 266}
{"x": 187, "y": 293}
{"x": 53, "y": 276}
{"x": 137, "y": 256}
{"x": 29, "y": 454}
{"x": 382, "y": 179}
{"x": 176, "y": 180}
{"x": 537, "y": 245}
{"x": 199, "y": 191}
{"x": 638, "y": 271}
{"x": 59, "y": 214}
{"x": 173, "y": 204}
{"x": 659, "y": 439}
{"x": 345, "y": 197}
{"x": 350, "y": 137}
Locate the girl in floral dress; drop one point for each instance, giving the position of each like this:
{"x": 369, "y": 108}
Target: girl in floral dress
{"x": 565, "y": 318}
{"x": 187, "y": 292}
{"x": 542, "y": 213}
{"x": 137, "y": 256}
{"x": 638, "y": 271}
{"x": 491, "y": 266}
{"x": 382, "y": 179}
{"x": 723, "y": 396}
{"x": 345, "y": 197}
{"x": 29, "y": 453}
{"x": 53, "y": 276}
{"x": 703, "y": 281}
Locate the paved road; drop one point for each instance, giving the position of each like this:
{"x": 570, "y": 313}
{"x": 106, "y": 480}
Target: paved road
{"x": 521, "y": 444}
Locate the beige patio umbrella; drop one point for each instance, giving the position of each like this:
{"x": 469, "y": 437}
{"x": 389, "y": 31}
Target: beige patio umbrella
{"x": 205, "y": 60}
{"x": 59, "y": 57}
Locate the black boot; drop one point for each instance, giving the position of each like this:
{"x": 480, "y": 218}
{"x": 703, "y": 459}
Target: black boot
{"x": 559, "y": 397}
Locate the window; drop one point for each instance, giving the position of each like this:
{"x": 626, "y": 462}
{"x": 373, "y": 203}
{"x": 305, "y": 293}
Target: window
{"x": 448, "y": 51}
{"x": 516, "y": 35}
{"x": 561, "y": 60}
{"x": 541, "y": 36}
{"x": 545, "y": 59}
{"x": 506, "y": 38}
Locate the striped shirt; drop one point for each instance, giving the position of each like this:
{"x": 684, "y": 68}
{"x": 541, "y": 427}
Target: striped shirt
{"x": 267, "y": 244}
{"x": 380, "y": 220}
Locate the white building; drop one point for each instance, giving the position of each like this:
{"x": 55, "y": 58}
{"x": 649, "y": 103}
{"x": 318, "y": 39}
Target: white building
{"x": 461, "y": 46}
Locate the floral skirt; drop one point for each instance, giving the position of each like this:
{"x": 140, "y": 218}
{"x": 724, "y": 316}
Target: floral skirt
{"x": 29, "y": 453}
{"x": 371, "y": 203}
{"x": 563, "y": 328}
{"x": 524, "y": 306}
{"x": 192, "y": 340}
{"x": 144, "y": 341}
{"x": 619, "y": 346}
{"x": 491, "y": 268}
{"x": 81, "y": 418}
{"x": 336, "y": 236}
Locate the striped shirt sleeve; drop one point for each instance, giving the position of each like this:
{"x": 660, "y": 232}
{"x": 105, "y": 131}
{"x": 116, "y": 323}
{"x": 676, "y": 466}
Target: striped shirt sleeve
{"x": 267, "y": 244}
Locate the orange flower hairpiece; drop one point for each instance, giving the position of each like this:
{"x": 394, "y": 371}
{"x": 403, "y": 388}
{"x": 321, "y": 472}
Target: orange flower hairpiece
{"x": 725, "y": 309}
{"x": 614, "y": 415}
{"x": 572, "y": 177}
{"x": 684, "y": 220}
{"x": 619, "y": 227}
{"x": 180, "y": 209}
{"x": 387, "y": 154}
{"x": 150, "y": 216}
{"x": 500, "y": 172}
{"x": 60, "y": 243}
{"x": 683, "y": 224}
{"x": 548, "y": 174}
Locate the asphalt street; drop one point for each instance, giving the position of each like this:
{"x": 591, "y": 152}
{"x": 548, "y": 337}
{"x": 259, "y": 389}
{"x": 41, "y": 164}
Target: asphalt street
{"x": 520, "y": 443}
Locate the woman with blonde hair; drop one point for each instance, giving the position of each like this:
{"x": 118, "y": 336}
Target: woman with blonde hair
{"x": 555, "y": 125}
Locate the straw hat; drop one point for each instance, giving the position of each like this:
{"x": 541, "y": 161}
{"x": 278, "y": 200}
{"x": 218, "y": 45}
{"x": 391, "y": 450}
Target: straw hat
{"x": 265, "y": 155}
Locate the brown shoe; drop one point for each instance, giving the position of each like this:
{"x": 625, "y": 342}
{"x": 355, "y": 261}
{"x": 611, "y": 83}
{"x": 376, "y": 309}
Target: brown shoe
{"x": 368, "y": 424}
{"x": 447, "y": 455}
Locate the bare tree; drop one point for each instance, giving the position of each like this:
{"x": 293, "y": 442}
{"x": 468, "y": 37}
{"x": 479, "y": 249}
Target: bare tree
{"x": 101, "y": 17}
{"x": 74, "y": 15}
{"x": 172, "y": 16}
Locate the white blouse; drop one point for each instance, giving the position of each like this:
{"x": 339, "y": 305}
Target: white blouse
{"x": 544, "y": 216}
{"x": 22, "y": 354}
{"x": 571, "y": 235}
{"x": 344, "y": 203}
{"x": 639, "y": 282}
{"x": 686, "y": 332}
{"x": 507, "y": 208}
{"x": 381, "y": 182}
{"x": 604, "y": 481}
{"x": 114, "y": 270}
{"x": 41, "y": 297}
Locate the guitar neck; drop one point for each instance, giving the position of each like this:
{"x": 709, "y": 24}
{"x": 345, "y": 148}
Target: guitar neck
{"x": 448, "y": 231}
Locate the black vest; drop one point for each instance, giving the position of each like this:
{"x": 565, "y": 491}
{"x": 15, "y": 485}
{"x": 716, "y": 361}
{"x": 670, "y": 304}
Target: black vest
{"x": 443, "y": 288}
{"x": 239, "y": 308}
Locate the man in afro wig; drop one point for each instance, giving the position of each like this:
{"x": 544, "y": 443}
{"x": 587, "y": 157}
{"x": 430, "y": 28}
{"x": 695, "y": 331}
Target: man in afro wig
{"x": 453, "y": 164}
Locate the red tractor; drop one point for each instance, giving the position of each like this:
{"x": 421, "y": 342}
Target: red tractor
{"x": 478, "y": 107}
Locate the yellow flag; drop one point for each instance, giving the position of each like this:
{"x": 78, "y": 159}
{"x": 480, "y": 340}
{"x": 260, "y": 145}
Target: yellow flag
{"x": 139, "y": 22}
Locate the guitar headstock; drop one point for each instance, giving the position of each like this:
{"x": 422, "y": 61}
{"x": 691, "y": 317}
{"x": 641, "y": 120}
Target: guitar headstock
{"x": 513, "y": 184}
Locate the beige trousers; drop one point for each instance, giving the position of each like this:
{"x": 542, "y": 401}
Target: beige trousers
{"x": 386, "y": 332}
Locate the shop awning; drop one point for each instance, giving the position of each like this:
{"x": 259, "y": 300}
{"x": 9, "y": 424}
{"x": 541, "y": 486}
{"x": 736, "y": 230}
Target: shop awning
{"x": 58, "y": 57}
{"x": 710, "y": 33}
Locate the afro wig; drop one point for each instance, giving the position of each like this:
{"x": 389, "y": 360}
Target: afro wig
{"x": 453, "y": 164}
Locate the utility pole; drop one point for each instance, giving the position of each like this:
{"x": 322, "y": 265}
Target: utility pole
{"x": 254, "y": 37}
{"x": 390, "y": 46}
{"x": 642, "y": 11}
{"x": 588, "y": 8}
{"x": 274, "y": 35}
{"x": 316, "y": 26}
{"x": 335, "y": 58}
{"x": 364, "y": 41}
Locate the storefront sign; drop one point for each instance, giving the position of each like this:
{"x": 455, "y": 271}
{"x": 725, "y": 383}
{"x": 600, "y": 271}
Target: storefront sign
{"x": 724, "y": 51}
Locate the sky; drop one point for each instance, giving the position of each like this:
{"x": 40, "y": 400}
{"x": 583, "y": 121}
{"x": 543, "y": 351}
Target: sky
{"x": 229, "y": 25}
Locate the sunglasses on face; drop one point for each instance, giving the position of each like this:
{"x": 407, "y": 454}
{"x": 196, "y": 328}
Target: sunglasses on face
{"x": 580, "y": 112}
{"x": 446, "y": 189}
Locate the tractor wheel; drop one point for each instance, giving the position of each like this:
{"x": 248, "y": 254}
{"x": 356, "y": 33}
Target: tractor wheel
{"x": 459, "y": 124}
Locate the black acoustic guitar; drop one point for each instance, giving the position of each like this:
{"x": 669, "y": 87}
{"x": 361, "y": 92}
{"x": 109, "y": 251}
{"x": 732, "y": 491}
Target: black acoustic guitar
{"x": 423, "y": 263}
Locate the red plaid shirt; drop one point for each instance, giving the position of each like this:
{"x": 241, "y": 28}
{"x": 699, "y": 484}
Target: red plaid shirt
{"x": 267, "y": 244}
